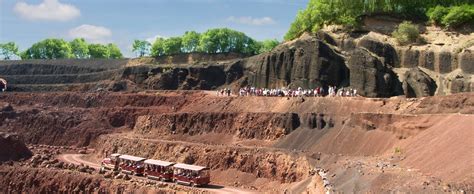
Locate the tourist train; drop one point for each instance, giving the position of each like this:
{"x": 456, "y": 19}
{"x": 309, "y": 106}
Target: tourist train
{"x": 158, "y": 170}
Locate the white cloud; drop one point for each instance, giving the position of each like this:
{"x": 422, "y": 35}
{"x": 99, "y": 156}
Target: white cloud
{"x": 152, "y": 39}
{"x": 92, "y": 33}
{"x": 47, "y": 10}
{"x": 248, "y": 20}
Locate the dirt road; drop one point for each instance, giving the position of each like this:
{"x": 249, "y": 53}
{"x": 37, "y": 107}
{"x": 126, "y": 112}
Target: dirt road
{"x": 79, "y": 158}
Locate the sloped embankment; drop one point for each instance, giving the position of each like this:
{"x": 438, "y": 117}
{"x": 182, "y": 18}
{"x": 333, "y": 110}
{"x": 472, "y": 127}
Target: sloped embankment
{"x": 261, "y": 162}
{"x": 36, "y": 180}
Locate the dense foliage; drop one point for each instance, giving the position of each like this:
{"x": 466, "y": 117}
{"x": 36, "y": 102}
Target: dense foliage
{"x": 268, "y": 45}
{"x": 8, "y": 50}
{"x": 407, "y": 33}
{"x": 451, "y": 16}
{"x": 219, "y": 40}
{"x": 48, "y": 49}
{"x": 348, "y": 12}
{"x": 141, "y": 47}
{"x": 78, "y": 48}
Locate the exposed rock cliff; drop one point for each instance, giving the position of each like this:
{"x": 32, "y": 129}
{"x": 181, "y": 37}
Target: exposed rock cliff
{"x": 307, "y": 62}
{"x": 370, "y": 62}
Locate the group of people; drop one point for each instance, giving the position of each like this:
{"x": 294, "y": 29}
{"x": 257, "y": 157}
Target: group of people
{"x": 300, "y": 92}
{"x": 224, "y": 92}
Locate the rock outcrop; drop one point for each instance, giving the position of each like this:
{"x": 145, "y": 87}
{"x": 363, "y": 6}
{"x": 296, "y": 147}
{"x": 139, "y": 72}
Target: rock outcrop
{"x": 12, "y": 148}
{"x": 307, "y": 62}
{"x": 371, "y": 62}
{"x": 418, "y": 84}
{"x": 371, "y": 77}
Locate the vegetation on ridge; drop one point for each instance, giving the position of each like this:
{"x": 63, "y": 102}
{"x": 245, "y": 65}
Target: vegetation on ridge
{"x": 218, "y": 40}
{"x": 348, "y": 12}
{"x": 53, "y": 48}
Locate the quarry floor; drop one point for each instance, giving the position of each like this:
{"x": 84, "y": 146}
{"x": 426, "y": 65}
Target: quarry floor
{"x": 251, "y": 144}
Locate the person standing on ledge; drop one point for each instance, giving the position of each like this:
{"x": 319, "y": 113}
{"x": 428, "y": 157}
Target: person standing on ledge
{"x": 3, "y": 85}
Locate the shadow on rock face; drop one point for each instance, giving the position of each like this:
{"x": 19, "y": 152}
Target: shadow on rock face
{"x": 371, "y": 77}
{"x": 12, "y": 148}
{"x": 418, "y": 84}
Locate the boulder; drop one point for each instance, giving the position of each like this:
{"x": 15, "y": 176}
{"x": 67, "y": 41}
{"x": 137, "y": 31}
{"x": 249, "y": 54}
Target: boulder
{"x": 371, "y": 77}
{"x": 12, "y": 148}
{"x": 418, "y": 84}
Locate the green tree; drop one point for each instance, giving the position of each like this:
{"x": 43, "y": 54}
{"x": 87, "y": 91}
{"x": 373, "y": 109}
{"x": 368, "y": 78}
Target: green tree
{"x": 79, "y": 48}
{"x": 8, "y": 50}
{"x": 190, "y": 41}
{"x": 157, "y": 49}
{"x": 172, "y": 46}
{"x": 114, "y": 51}
{"x": 99, "y": 51}
{"x": 222, "y": 40}
{"x": 141, "y": 47}
{"x": 348, "y": 12}
{"x": 436, "y": 14}
{"x": 48, "y": 49}
{"x": 268, "y": 45}
{"x": 209, "y": 41}
{"x": 459, "y": 15}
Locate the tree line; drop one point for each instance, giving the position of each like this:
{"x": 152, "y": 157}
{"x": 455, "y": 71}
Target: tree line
{"x": 348, "y": 12}
{"x": 53, "y": 48}
{"x": 218, "y": 40}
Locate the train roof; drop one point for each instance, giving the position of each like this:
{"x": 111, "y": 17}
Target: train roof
{"x": 158, "y": 162}
{"x": 132, "y": 158}
{"x": 190, "y": 167}
{"x": 114, "y": 155}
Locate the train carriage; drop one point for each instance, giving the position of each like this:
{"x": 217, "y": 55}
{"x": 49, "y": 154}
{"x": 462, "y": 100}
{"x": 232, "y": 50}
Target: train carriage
{"x": 191, "y": 175}
{"x": 111, "y": 162}
{"x": 131, "y": 164}
{"x": 159, "y": 170}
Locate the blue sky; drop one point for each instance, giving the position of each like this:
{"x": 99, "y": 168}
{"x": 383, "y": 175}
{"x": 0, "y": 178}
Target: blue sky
{"x": 28, "y": 21}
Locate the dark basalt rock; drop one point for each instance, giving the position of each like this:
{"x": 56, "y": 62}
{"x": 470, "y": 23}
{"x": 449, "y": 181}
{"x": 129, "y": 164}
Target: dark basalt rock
{"x": 383, "y": 50}
{"x": 306, "y": 62}
{"x": 371, "y": 77}
{"x": 418, "y": 84}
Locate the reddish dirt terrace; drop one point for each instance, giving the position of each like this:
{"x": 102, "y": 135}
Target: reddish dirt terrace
{"x": 252, "y": 144}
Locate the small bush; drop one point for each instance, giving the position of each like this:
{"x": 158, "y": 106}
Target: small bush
{"x": 436, "y": 14}
{"x": 398, "y": 150}
{"x": 407, "y": 33}
{"x": 459, "y": 15}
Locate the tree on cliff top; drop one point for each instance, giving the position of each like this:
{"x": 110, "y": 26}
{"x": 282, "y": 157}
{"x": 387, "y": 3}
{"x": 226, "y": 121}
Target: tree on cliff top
{"x": 8, "y": 50}
{"x": 218, "y": 40}
{"x": 114, "y": 51}
{"x": 79, "y": 48}
{"x": 268, "y": 45}
{"x": 348, "y": 12}
{"x": 223, "y": 40}
{"x": 99, "y": 51}
{"x": 48, "y": 49}
{"x": 190, "y": 41}
{"x": 141, "y": 47}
